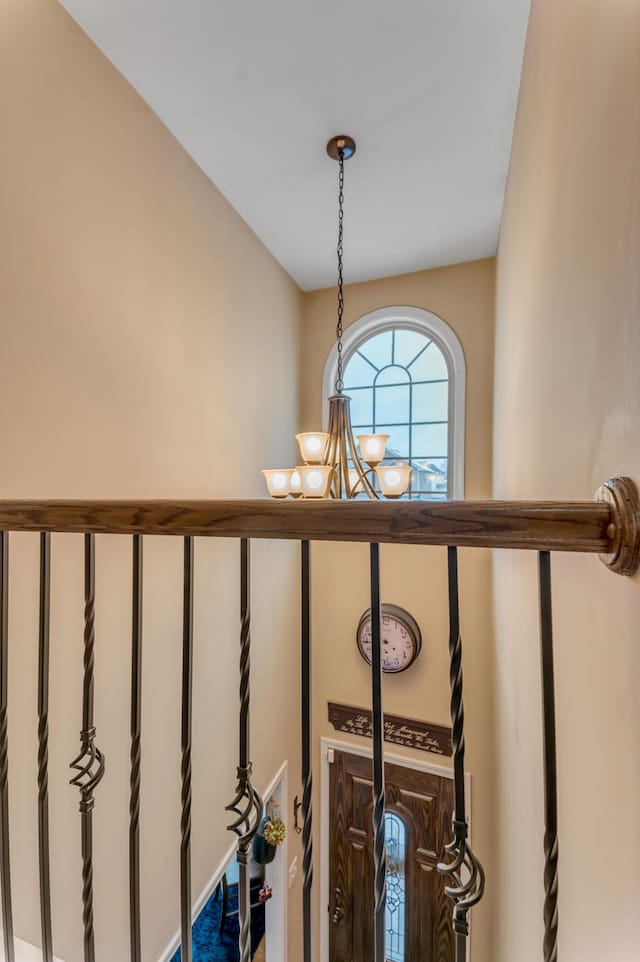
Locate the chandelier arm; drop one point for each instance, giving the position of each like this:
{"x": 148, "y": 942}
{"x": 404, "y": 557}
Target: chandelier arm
{"x": 362, "y": 474}
{"x": 333, "y": 429}
{"x": 336, "y": 454}
{"x": 344, "y": 457}
{"x": 339, "y": 444}
{"x": 339, "y": 438}
{"x": 330, "y": 457}
{"x": 367, "y": 486}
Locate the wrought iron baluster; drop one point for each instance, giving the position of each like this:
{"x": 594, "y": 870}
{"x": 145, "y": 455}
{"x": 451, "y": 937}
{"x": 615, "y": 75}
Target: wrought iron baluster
{"x": 550, "y": 945}
{"x": 379, "y": 848}
{"x": 134, "y": 777}
{"x": 43, "y": 747}
{"x": 464, "y": 871}
{"x": 247, "y": 803}
{"x": 307, "y": 778}
{"x": 5, "y": 861}
{"x": 187, "y": 722}
{"x": 89, "y": 764}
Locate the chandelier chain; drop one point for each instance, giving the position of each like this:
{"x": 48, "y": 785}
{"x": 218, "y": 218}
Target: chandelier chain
{"x": 339, "y": 379}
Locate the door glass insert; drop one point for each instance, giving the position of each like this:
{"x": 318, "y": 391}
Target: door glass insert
{"x": 396, "y": 843}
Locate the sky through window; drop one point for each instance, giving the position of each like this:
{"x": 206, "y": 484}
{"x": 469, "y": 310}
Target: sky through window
{"x": 398, "y": 382}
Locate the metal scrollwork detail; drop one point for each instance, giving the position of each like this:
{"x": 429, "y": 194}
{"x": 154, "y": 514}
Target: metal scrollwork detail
{"x": 89, "y": 766}
{"x": 466, "y": 874}
{"x": 247, "y": 805}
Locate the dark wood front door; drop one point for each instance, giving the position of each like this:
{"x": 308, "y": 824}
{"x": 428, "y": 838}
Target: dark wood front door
{"x": 420, "y": 923}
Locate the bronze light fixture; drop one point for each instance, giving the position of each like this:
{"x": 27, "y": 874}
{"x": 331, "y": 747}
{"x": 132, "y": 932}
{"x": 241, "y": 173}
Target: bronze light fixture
{"x": 333, "y": 467}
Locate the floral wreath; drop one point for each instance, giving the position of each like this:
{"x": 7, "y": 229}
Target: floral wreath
{"x": 274, "y": 831}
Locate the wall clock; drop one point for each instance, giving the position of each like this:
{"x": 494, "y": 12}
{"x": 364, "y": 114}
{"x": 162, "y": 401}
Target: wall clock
{"x": 401, "y": 638}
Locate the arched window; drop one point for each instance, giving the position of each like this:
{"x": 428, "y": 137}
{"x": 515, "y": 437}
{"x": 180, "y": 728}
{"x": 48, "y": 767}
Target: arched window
{"x": 405, "y": 373}
{"x": 395, "y": 833}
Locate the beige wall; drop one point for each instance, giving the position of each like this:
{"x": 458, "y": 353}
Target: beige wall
{"x": 567, "y": 409}
{"x": 149, "y": 349}
{"x": 414, "y": 578}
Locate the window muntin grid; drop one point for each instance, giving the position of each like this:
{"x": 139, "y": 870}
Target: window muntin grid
{"x": 398, "y": 381}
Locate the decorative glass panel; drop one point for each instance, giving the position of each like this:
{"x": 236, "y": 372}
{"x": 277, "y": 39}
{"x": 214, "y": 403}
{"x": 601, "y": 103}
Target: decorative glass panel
{"x": 378, "y": 349}
{"x": 392, "y": 404}
{"x": 429, "y": 440}
{"x": 408, "y": 345}
{"x": 358, "y": 373}
{"x": 430, "y": 365}
{"x": 361, "y": 408}
{"x": 393, "y": 374}
{"x": 432, "y": 400}
{"x": 395, "y": 922}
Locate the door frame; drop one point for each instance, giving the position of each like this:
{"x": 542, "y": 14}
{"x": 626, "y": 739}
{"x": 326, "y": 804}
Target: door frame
{"x": 334, "y": 744}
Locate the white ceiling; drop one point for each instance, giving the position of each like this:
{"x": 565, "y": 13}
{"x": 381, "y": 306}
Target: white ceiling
{"x": 253, "y": 89}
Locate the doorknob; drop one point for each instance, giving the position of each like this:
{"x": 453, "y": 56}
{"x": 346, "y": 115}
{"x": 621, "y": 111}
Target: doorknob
{"x": 337, "y": 914}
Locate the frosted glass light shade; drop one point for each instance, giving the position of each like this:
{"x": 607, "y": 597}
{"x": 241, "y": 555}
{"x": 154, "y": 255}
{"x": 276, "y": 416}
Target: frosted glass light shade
{"x": 373, "y": 447}
{"x": 313, "y": 445}
{"x": 278, "y": 481}
{"x": 394, "y": 479}
{"x": 316, "y": 479}
{"x": 296, "y": 484}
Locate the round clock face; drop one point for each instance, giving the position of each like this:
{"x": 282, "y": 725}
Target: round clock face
{"x": 401, "y": 639}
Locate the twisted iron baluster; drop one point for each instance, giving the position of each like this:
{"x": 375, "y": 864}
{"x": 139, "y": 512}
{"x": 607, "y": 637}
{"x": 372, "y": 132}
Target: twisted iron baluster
{"x": 247, "y": 803}
{"x": 43, "y": 747}
{"x": 307, "y": 779}
{"x": 379, "y": 847}
{"x": 89, "y": 764}
{"x": 464, "y": 871}
{"x": 5, "y": 861}
{"x": 550, "y": 944}
{"x": 135, "y": 754}
{"x": 185, "y": 768}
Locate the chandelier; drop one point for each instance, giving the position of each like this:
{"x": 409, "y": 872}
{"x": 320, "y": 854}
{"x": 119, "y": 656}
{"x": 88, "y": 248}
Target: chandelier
{"x": 333, "y": 467}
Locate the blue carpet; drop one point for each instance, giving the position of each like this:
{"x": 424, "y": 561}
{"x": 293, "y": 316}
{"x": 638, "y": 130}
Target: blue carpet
{"x": 211, "y": 946}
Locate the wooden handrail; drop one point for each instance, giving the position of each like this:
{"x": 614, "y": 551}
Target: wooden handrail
{"x": 561, "y": 526}
{"x": 607, "y": 526}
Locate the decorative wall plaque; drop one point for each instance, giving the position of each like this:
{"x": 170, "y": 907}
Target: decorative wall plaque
{"x": 424, "y": 736}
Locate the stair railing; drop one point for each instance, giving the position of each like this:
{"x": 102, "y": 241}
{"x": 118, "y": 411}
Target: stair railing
{"x": 608, "y": 526}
